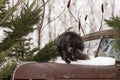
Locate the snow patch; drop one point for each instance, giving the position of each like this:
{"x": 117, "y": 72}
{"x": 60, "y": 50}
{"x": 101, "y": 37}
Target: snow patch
{"x": 98, "y": 61}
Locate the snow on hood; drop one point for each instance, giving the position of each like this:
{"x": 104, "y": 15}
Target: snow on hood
{"x": 98, "y": 61}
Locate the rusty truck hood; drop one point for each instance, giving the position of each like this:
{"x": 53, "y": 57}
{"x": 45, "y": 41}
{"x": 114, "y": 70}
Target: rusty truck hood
{"x": 54, "y": 71}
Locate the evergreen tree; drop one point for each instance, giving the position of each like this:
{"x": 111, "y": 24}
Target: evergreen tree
{"x": 7, "y": 70}
{"x": 3, "y": 11}
{"x": 114, "y": 22}
{"x": 47, "y": 53}
{"x": 23, "y": 51}
{"x": 4, "y": 16}
{"x": 18, "y": 26}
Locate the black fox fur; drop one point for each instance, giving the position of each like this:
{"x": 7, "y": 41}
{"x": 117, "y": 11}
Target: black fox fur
{"x": 70, "y": 47}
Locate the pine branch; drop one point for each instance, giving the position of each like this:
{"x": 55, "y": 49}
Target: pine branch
{"x": 10, "y": 12}
{"x": 47, "y": 53}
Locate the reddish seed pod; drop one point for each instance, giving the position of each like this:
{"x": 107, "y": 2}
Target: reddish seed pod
{"x": 79, "y": 25}
{"x": 68, "y": 5}
{"x": 86, "y": 17}
{"x": 102, "y": 8}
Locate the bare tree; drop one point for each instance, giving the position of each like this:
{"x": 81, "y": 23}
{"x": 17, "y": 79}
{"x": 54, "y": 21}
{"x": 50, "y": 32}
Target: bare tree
{"x": 113, "y": 7}
{"x": 49, "y": 20}
{"x": 40, "y": 24}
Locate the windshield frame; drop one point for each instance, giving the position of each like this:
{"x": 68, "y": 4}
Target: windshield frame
{"x": 109, "y": 34}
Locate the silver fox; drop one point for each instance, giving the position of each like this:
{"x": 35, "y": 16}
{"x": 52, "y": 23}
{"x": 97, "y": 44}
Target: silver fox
{"x": 70, "y": 47}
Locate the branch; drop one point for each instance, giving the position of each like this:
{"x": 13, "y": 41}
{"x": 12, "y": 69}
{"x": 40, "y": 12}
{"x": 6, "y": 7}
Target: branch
{"x": 101, "y": 39}
{"x": 101, "y": 22}
{"x": 10, "y": 11}
{"x": 79, "y": 22}
{"x": 53, "y": 19}
{"x": 72, "y": 15}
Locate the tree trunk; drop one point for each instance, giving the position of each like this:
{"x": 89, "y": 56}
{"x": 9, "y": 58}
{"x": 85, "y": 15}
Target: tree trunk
{"x": 49, "y": 20}
{"x": 40, "y": 24}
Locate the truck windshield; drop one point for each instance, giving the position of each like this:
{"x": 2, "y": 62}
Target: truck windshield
{"x": 106, "y": 48}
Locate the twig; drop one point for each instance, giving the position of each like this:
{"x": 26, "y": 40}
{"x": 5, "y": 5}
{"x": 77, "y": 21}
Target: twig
{"x": 72, "y": 15}
{"x": 69, "y": 28}
{"x": 81, "y": 27}
{"x": 53, "y": 20}
{"x": 101, "y": 23}
{"x": 101, "y": 39}
{"x": 77, "y": 20}
{"x": 90, "y": 27}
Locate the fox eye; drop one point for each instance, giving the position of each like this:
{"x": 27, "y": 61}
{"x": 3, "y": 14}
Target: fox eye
{"x": 70, "y": 49}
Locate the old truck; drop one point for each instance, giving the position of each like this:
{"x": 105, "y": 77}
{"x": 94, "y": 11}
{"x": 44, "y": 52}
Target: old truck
{"x": 97, "y": 44}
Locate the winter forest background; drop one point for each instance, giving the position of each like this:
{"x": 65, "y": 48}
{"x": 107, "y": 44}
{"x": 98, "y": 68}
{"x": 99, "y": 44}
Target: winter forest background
{"x": 60, "y": 18}
{"x": 28, "y": 28}
{"x": 80, "y": 9}
{"x": 56, "y": 11}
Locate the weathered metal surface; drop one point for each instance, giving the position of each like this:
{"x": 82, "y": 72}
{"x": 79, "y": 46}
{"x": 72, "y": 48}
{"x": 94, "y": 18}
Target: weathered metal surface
{"x": 96, "y": 35}
{"x": 33, "y": 71}
{"x": 55, "y": 71}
